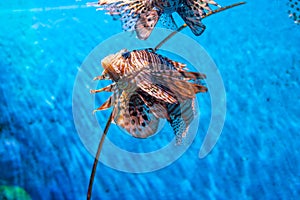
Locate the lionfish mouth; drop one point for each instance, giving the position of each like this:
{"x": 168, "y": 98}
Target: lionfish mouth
{"x": 108, "y": 64}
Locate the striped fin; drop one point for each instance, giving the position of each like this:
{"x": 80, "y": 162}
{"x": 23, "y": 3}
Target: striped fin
{"x": 173, "y": 81}
{"x": 193, "y": 75}
{"x": 109, "y": 88}
{"x": 145, "y": 24}
{"x": 168, "y": 21}
{"x": 128, "y": 22}
{"x": 203, "y": 5}
{"x": 181, "y": 74}
{"x": 128, "y": 11}
{"x": 157, "y": 91}
{"x": 194, "y": 10}
{"x": 192, "y": 16}
{"x": 199, "y": 88}
{"x": 135, "y": 116}
{"x": 112, "y": 100}
{"x": 157, "y": 107}
{"x": 179, "y": 66}
{"x": 180, "y": 117}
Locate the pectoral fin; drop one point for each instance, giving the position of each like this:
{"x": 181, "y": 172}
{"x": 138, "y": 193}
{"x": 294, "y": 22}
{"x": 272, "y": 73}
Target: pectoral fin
{"x": 192, "y": 17}
{"x": 145, "y": 24}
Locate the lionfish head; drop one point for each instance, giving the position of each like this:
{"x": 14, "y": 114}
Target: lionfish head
{"x": 114, "y": 65}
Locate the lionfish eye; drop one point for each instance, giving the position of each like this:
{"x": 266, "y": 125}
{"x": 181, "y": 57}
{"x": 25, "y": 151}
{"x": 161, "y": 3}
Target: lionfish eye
{"x": 126, "y": 54}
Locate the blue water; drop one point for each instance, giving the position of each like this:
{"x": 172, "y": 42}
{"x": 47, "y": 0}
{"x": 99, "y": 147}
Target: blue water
{"x": 256, "y": 48}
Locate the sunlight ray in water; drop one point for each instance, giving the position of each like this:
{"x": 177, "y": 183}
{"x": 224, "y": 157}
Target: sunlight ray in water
{"x": 43, "y": 9}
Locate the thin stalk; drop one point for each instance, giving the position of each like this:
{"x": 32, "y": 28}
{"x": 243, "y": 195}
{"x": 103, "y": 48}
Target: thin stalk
{"x": 89, "y": 193}
{"x": 185, "y": 25}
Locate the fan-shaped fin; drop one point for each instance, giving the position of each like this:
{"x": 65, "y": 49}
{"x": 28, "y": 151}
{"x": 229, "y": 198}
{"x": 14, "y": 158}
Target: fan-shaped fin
{"x": 168, "y": 21}
{"x": 180, "y": 118}
{"x": 179, "y": 88}
{"x": 192, "y": 17}
{"x": 157, "y": 91}
{"x": 135, "y": 116}
{"x": 145, "y": 24}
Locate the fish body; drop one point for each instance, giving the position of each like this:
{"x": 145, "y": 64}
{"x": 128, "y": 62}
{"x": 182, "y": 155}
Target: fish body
{"x": 148, "y": 88}
{"x": 142, "y": 15}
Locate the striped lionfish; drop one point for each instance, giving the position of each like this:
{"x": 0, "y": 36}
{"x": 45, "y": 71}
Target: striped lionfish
{"x": 142, "y": 15}
{"x": 147, "y": 88}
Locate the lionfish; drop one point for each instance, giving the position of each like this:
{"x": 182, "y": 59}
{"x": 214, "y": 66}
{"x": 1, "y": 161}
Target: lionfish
{"x": 142, "y": 15}
{"x": 147, "y": 88}
{"x": 294, "y": 11}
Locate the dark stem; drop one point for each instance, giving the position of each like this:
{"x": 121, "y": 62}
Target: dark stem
{"x": 185, "y": 25}
{"x": 223, "y": 8}
{"x": 169, "y": 37}
{"x": 89, "y": 193}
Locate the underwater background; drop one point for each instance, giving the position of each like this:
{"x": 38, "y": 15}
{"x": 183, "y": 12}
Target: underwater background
{"x": 256, "y": 49}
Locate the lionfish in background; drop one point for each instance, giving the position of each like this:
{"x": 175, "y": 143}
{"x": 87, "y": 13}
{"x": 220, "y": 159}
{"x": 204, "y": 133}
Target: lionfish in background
{"x": 148, "y": 88}
{"x": 142, "y": 15}
{"x": 294, "y": 11}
